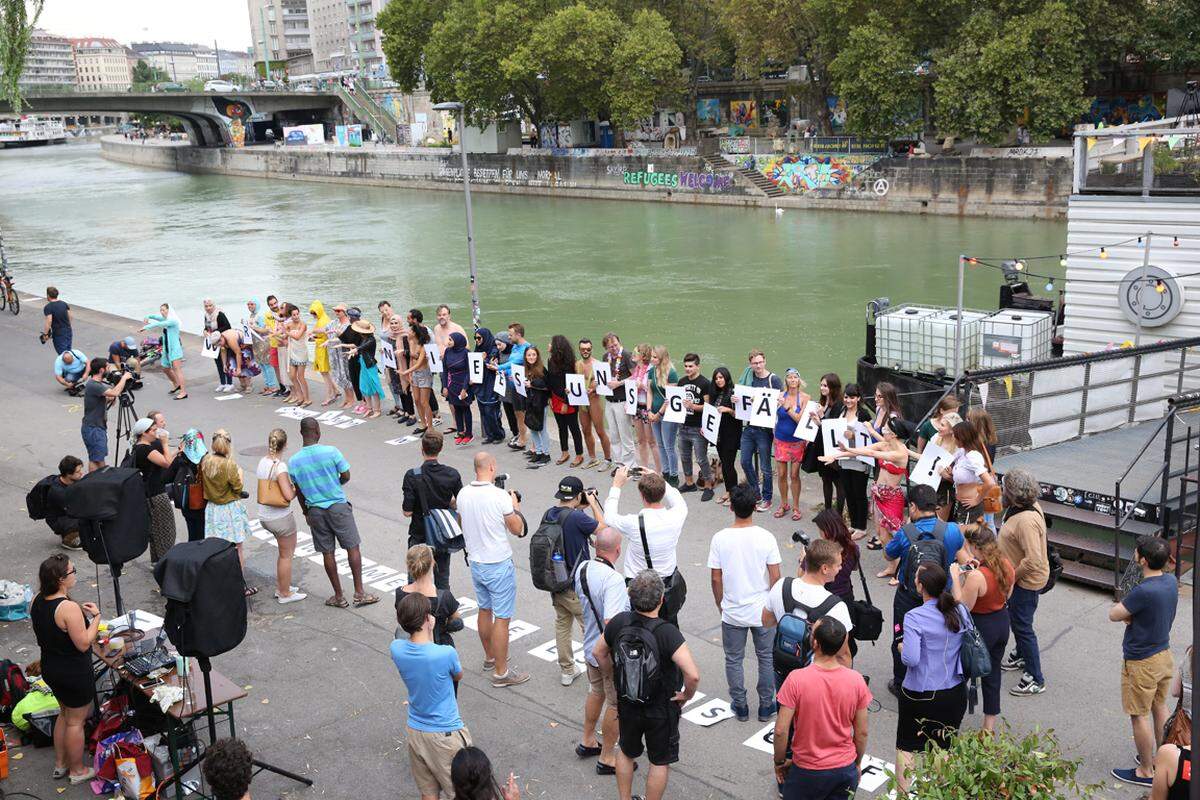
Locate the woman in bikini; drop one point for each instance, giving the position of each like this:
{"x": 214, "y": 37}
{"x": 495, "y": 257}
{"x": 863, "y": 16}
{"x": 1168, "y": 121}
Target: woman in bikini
{"x": 891, "y": 455}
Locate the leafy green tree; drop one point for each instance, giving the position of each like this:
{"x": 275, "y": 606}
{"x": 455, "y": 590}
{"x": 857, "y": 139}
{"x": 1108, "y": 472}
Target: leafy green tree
{"x": 876, "y": 75}
{"x": 17, "y": 20}
{"x": 144, "y": 73}
{"x": 1000, "y": 68}
{"x": 644, "y": 70}
{"x": 407, "y": 26}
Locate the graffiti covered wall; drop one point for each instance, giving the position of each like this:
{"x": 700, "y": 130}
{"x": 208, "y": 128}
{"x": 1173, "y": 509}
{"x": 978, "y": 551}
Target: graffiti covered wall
{"x": 804, "y": 172}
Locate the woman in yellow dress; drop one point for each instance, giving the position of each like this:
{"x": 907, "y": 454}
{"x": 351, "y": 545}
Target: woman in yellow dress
{"x": 319, "y": 333}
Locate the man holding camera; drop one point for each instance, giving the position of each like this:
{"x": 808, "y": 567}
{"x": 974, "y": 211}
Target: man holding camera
{"x": 70, "y": 369}
{"x": 488, "y": 515}
{"x": 577, "y": 529}
{"x": 98, "y": 394}
{"x": 653, "y": 532}
{"x": 431, "y": 486}
{"x": 58, "y": 322}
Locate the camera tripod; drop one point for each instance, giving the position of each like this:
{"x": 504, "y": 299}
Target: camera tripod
{"x": 126, "y": 416}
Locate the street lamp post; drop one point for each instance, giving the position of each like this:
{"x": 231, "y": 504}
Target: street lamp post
{"x": 462, "y": 148}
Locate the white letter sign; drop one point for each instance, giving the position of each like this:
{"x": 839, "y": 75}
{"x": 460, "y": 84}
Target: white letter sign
{"x": 630, "y": 396}
{"x": 710, "y": 423}
{"x": 833, "y": 434}
{"x": 501, "y": 385}
{"x": 928, "y": 470}
{"x": 765, "y": 402}
{"x": 743, "y": 399}
{"x": 808, "y": 427}
{"x": 435, "y": 357}
{"x": 518, "y": 379}
{"x": 475, "y": 366}
{"x": 673, "y": 410}
{"x": 603, "y": 375}
{"x": 576, "y": 390}
{"x": 387, "y": 354}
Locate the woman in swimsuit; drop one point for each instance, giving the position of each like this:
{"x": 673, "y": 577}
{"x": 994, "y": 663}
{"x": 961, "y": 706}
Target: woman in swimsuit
{"x": 891, "y": 455}
{"x": 972, "y": 475}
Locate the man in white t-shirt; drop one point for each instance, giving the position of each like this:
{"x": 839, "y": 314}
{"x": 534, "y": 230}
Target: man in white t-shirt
{"x": 744, "y": 561}
{"x": 489, "y": 514}
{"x": 604, "y": 597}
{"x": 822, "y": 560}
{"x": 663, "y": 513}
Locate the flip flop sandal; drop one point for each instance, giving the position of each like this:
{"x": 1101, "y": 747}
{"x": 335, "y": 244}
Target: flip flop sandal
{"x": 251, "y": 591}
{"x": 365, "y": 600}
{"x": 337, "y": 602}
{"x": 782, "y": 512}
{"x": 874, "y": 544}
{"x": 796, "y": 516}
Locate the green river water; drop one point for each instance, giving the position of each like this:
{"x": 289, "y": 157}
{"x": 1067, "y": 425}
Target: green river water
{"x": 711, "y": 279}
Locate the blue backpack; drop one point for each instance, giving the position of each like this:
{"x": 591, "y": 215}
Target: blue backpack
{"x": 793, "y": 633}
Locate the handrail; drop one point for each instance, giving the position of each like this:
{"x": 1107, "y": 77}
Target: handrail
{"x": 1082, "y": 358}
{"x": 1145, "y": 447}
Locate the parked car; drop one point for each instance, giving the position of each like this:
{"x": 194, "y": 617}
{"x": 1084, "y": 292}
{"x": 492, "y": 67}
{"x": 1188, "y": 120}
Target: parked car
{"x": 220, "y": 86}
{"x": 169, "y": 86}
{"x": 306, "y": 88}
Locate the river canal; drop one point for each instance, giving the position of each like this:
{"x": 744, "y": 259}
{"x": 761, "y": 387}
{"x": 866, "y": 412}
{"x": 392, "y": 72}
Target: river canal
{"x": 705, "y": 278}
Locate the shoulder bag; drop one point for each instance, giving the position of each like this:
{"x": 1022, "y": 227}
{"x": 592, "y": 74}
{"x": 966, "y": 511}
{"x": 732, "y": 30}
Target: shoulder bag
{"x": 868, "y": 620}
{"x": 269, "y": 493}
{"x": 674, "y": 588}
{"x": 991, "y": 498}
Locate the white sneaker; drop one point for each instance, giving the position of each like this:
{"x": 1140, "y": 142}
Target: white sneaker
{"x": 568, "y": 678}
{"x": 294, "y": 597}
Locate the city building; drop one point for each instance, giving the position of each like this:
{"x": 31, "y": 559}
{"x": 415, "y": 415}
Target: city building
{"x": 49, "y": 64}
{"x": 178, "y": 60}
{"x": 329, "y": 27}
{"x": 366, "y": 42}
{"x": 101, "y": 65}
{"x": 280, "y": 30}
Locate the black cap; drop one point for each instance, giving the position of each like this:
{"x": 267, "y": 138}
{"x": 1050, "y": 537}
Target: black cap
{"x": 923, "y": 497}
{"x": 569, "y": 488}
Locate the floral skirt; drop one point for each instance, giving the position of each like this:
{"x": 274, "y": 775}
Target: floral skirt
{"x": 250, "y": 367}
{"x": 227, "y": 521}
{"x": 889, "y": 506}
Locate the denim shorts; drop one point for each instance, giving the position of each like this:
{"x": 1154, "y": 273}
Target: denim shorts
{"x": 496, "y": 587}
{"x": 96, "y": 441}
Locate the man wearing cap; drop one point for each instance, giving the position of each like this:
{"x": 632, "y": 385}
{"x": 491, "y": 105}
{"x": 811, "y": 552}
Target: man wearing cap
{"x": 123, "y": 349}
{"x": 70, "y": 369}
{"x": 577, "y": 528}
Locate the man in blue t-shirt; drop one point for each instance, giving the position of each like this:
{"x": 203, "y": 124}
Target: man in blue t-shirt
{"x": 578, "y": 528}
{"x": 70, "y": 368}
{"x": 319, "y": 472}
{"x": 923, "y": 520}
{"x": 430, "y": 672}
{"x": 1148, "y": 612}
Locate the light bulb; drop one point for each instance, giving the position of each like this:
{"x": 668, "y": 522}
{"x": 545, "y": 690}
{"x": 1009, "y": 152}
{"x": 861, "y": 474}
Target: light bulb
{"x": 1062, "y": 261}
{"x": 1140, "y": 244}
{"x": 1160, "y": 287}
{"x": 1176, "y": 242}
{"x": 1103, "y": 253}
{"x": 1050, "y": 285}
{"x": 1019, "y": 265}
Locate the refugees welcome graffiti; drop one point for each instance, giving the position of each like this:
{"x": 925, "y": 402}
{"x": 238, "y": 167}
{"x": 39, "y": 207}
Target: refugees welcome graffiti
{"x": 703, "y": 181}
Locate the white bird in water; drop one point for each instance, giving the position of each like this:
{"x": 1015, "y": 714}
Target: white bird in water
{"x": 778, "y": 211}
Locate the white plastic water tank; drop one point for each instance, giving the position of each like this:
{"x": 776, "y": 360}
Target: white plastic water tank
{"x": 898, "y": 335}
{"x": 937, "y": 340}
{"x": 1014, "y": 335}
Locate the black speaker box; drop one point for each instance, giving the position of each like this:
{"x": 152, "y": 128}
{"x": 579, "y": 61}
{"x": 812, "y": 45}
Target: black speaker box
{"x": 114, "y": 520}
{"x": 206, "y": 601}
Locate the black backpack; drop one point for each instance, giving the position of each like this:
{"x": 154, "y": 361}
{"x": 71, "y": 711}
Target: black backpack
{"x": 923, "y": 548}
{"x": 550, "y": 574}
{"x": 37, "y": 502}
{"x": 13, "y": 688}
{"x": 793, "y": 633}
{"x": 637, "y": 669}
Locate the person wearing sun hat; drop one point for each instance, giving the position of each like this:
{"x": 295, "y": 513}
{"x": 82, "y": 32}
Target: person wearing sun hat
{"x": 368, "y": 367}
{"x": 152, "y": 456}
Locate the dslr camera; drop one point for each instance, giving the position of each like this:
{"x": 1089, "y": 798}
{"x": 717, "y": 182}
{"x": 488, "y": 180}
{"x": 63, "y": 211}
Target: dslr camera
{"x": 113, "y": 375}
{"x": 499, "y": 482}
{"x": 800, "y": 537}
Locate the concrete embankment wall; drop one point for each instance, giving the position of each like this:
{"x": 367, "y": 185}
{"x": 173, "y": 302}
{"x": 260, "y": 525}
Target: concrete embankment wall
{"x": 1028, "y": 188}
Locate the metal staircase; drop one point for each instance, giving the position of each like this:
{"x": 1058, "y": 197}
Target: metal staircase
{"x": 375, "y": 117}
{"x": 755, "y": 178}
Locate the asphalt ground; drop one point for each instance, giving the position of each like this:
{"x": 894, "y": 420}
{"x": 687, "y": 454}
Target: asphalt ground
{"x": 324, "y": 697}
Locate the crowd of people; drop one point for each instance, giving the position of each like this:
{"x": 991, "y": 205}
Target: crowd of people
{"x": 957, "y": 563}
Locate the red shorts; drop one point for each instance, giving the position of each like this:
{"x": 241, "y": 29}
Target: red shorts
{"x": 789, "y": 452}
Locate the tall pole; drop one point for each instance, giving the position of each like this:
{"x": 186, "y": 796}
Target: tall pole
{"x": 262, "y": 23}
{"x": 1141, "y": 287}
{"x": 958, "y": 360}
{"x": 462, "y": 148}
{"x": 217, "y": 53}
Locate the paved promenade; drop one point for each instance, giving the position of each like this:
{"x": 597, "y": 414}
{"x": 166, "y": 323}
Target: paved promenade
{"x": 324, "y": 697}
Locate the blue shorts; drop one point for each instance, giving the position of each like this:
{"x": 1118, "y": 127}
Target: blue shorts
{"x": 96, "y": 441}
{"x": 496, "y": 587}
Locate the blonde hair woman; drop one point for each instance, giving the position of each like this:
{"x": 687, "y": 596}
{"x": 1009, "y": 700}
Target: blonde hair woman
{"x": 788, "y": 449}
{"x": 646, "y": 446}
{"x": 666, "y": 434}
{"x": 225, "y": 515}
{"x": 442, "y": 604}
{"x": 296, "y": 331}
{"x": 272, "y": 474}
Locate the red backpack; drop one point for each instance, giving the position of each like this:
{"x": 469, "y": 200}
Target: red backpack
{"x": 13, "y": 688}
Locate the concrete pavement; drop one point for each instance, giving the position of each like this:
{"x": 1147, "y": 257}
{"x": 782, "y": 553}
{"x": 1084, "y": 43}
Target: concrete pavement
{"x": 324, "y": 697}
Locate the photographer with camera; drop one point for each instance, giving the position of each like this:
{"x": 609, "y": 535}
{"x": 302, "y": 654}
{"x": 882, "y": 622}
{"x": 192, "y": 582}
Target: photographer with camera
{"x": 489, "y": 514}
{"x": 58, "y": 322}
{"x": 653, "y": 532}
{"x": 103, "y": 386}
{"x": 70, "y": 370}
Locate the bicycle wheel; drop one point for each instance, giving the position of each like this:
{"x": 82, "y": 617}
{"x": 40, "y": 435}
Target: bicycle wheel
{"x": 14, "y": 302}
{"x": 3, "y": 299}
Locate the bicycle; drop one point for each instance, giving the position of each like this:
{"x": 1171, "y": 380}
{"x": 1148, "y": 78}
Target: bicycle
{"x": 8, "y": 295}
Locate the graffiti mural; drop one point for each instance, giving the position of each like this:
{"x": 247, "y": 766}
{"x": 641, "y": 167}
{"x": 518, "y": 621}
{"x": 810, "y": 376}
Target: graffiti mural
{"x": 1123, "y": 110}
{"x": 702, "y": 181}
{"x": 744, "y": 113}
{"x": 708, "y": 111}
{"x": 803, "y": 173}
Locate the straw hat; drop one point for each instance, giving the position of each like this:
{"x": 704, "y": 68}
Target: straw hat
{"x": 363, "y": 326}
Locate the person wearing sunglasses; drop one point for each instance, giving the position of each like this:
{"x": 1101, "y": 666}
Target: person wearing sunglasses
{"x": 65, "y": 632}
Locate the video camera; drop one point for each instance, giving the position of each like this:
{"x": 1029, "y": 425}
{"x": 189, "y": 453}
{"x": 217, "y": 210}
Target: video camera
{"x": 800, "y": 537}
{"x": 500, "y": 479}
{"x": 113, "y": 376}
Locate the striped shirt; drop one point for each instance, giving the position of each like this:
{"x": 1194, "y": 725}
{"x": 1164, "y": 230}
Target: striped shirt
{"x": 317, "y": 470}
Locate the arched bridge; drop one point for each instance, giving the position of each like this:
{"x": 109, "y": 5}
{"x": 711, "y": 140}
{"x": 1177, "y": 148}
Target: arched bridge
{"x": 206, "y": 116}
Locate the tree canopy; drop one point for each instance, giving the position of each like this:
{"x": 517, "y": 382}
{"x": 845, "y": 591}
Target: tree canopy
{"x": 17, "y": 20}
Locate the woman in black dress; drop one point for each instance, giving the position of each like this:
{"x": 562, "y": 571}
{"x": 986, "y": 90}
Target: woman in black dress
{"x": 65, "y": 632}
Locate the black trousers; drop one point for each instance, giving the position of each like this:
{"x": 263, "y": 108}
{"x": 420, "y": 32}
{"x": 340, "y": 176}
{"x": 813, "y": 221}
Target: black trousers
{"x": 195, "y": 524}
{"x": 727, "y": 452}
{"x": 569, "y": 423}
{"x": 902, "y": 603}
{"x": 510, "y": 413}
{"x": 854, "y": 492}
{"x": 355, "y": 371}
{"x": 831, "y": 480}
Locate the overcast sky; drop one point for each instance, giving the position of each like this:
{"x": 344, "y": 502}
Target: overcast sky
{"x": 190, "y": 21}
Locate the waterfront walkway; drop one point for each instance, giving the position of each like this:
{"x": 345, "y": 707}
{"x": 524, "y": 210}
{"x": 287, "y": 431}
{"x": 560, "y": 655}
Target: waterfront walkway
{"x": 324, "y": 697}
